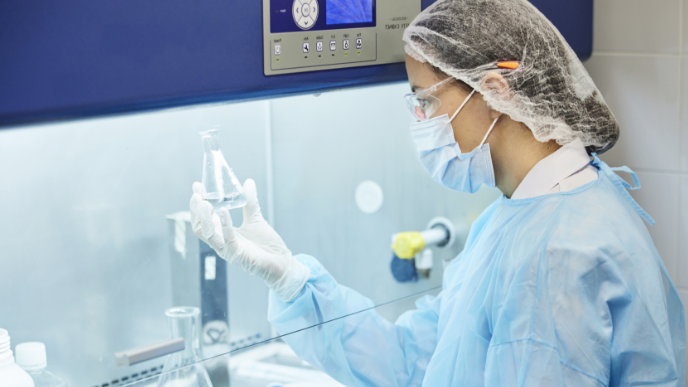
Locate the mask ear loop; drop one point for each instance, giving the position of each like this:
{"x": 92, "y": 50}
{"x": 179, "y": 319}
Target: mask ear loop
{"x": 462, "y": 105}
{"x": 489, "y": 131}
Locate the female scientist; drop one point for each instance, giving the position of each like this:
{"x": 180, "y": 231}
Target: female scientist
{"x": 559, "y": 282}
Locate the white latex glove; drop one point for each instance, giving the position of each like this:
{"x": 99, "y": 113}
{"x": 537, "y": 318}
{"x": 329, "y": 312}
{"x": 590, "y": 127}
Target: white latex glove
{"x": 255, "y": 246}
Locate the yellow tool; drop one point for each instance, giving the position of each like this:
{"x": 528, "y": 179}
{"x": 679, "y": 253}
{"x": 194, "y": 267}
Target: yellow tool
{"x": 440, "y": 233}
{"x": 407, "y": 244}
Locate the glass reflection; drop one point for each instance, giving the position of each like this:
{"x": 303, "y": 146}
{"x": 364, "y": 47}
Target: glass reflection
{"x": 116, "y": 249}
{"x": 272, "y": 362}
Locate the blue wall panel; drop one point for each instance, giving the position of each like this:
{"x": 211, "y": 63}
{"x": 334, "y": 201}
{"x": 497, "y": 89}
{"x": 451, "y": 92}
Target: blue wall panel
{"x": 78, "y": 58}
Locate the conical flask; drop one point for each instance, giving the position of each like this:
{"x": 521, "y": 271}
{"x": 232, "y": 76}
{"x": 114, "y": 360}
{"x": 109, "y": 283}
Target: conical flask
{"x": 184, "y": 368}
{"x": 222, "y": 188}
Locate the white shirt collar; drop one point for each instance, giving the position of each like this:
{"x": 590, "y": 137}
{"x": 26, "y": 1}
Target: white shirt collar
{"x": 552, "y": 170}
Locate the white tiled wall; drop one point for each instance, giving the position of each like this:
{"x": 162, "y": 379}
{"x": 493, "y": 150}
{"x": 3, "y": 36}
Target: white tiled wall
{"x": 682, "y": 263}
{"x": 638, "y": 26}
{"x": 639, "y": 64}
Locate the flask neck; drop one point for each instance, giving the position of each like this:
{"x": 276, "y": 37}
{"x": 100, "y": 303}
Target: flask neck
{"x": 184, "y": 323}
{"x": 210, "y": 141}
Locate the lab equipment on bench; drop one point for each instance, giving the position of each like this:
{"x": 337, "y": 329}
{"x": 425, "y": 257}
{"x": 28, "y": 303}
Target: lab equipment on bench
{"x": 32, "y": 358}
{"x": 222, "y": 188}
{"x": 148, "y": 352}
{"x": 413, "y": 257}
{"x": 11, "y": 375}
{"x": 184, "y": 368}
{"x": 440, "y": 232}
{"x": 199, "y": 279}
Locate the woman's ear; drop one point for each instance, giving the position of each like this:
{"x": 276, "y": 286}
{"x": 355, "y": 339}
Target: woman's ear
{"x": 497, "y": 87}
{"x": 495, "y": 84}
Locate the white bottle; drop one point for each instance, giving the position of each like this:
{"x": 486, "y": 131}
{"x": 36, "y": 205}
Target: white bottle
{"x": 11, "y": 375}
{"x": 31, "y": 357}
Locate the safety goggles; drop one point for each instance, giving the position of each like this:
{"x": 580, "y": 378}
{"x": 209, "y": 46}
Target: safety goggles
{"x": 423, "y": 104}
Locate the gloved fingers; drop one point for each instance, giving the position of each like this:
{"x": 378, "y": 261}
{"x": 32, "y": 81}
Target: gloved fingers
{"x": 227, "y": 227}
{"x": 208, "y": 229}
{"x": 196, "y": 207}
{"x": 216, "y": 241}
{"x": 198, "y": 188}
{"x": 205, "y": 223}
{"x": 252, "y": 208}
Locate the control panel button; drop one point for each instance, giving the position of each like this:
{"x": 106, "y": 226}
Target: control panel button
{"x": 314, "y": 10}
{"x": 319, "y": 50}
{"x": 305, "y": 13}
{"x": 296, "y": 11}
{"x": 359, "y": 43}
{"x": 278, "y": 49}
{"x": 306, "y": 23}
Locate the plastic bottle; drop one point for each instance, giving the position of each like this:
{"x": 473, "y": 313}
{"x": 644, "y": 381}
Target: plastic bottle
{"x": 11, "y": 375}
{"x": 31, "y": 357}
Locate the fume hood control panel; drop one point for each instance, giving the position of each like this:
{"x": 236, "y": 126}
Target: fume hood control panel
{"x": 312, "y": 35}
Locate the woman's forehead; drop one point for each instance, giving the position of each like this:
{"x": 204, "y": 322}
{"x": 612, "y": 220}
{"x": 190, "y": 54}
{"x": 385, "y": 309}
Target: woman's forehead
{"x": 421, "y": 75}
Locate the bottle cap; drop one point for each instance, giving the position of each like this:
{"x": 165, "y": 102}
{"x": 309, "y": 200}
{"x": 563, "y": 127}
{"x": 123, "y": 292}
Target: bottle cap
{"x": 31, "y": 356}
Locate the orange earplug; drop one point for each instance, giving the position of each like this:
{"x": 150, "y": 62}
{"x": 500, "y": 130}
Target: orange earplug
{"x": 508, "y": 65}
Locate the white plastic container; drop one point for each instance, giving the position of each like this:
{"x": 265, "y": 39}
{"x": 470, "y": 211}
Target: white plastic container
{"x": 11, "y": 375}
{"x": 32, "y": 358}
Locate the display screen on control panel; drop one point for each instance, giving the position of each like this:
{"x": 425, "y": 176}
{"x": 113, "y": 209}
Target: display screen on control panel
{"x": 320, "y": 15}
{"x": 349, "y": 11}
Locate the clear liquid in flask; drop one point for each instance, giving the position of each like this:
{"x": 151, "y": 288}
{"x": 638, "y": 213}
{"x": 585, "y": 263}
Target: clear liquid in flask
{"x": 222, "y": 188}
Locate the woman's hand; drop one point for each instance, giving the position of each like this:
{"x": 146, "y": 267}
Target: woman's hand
{"x": 255, "y": 246}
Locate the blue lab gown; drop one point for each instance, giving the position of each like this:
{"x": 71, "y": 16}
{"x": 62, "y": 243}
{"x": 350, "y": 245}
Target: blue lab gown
{"x": 564, "y": 289}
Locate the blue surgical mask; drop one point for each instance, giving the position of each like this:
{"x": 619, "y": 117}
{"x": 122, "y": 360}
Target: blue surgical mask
{"x": 442, "y": 158}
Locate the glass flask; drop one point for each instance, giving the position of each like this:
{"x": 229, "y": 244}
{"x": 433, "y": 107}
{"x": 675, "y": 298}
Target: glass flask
{"x": 222, "y": 188}
{"x": 184, "y": 368}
